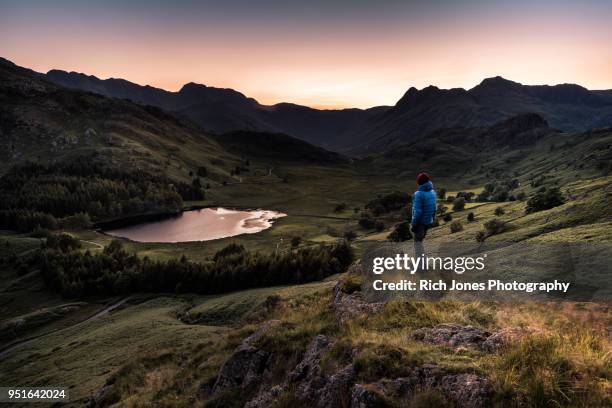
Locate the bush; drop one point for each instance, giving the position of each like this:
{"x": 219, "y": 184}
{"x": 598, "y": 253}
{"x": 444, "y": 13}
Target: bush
{"x": 380, "y": 226}
{"x": 441, "y": 193}
{"x": 401, "y": 232}
{"x": 441, "y": 209}
{"x": 388, "y": 202}
{"x": 495, "y": 226}
{"x": 471, "y": 217}
{"x": 459, "y": 204}
{"x": 295, "y": 241}
{"x": 499, "y": 211}
{"x": 481, "y": 236}
{"x": 545, "y": 200}
{"x": 366, "y": 221}
{"x": 447, "y": 217}
{"x": 350, "y": 235}
{"x": 500, "y": 195}
{"x": 456, "y": 226}
{"x": 340, "y": 207}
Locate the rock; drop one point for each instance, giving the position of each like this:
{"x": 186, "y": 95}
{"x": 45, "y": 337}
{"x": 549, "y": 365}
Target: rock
{"x": 247, "y": 364}
{"x": 453, "y": 335}
{"x": 506, "y": 336}
{"x": 336, "y": 391}
{"x": 266, "y": 398}
{"x": 467, "y": 390}
{"x": 364, "y": 397}
{"x": 101, "y": 397}
{"x": 310, "y": 364}
{"x": 306, "y": 378}
{"x": 348, "y": 306}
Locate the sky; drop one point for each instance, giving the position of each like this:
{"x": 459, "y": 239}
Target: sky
{"x": 320, "y": 53}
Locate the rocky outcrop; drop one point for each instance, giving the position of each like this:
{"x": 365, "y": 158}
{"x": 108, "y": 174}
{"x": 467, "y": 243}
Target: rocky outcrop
{"x": 452, "y": 335}
{"x": 467, "y": 390}
{"x": 506, "y": 336}
{"x": 311, "y": 385}
{"x": 456, "y": 335}
{"x": 347, "y": 306}
{"x": 247, "y": 365}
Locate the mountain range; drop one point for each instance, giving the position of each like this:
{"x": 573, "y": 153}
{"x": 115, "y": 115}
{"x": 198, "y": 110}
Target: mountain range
{"x": 567, "y": 107}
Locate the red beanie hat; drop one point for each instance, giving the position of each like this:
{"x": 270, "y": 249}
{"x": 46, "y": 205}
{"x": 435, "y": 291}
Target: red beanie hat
{"x": 422, "y": 178}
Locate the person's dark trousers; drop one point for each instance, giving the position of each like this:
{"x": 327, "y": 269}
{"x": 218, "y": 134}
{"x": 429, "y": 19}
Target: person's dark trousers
{"x": 419, "y": 231}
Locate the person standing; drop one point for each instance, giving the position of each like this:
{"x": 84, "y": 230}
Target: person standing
{"x": 423, "y": 211}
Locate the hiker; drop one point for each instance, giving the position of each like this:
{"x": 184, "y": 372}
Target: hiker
{"x": 423, "y": 211}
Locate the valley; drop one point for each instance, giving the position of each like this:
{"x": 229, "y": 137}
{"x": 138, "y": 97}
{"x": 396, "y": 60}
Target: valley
{"x": 114, "y": 340}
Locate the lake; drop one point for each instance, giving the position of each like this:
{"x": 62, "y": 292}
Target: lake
{"x": 199, "y": 225}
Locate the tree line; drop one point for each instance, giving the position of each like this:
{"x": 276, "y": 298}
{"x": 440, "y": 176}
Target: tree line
{"x": 42, "y": 194}
{"x": 74, "y": 273}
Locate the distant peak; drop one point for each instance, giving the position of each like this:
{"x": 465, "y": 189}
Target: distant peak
{"x": 192, "y": 86}
{"x": 497, "y": 82}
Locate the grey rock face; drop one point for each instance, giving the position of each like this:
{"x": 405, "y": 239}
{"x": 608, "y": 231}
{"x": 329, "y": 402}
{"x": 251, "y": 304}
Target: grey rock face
{"x": 506, "y": 336}
{"x": 247, "y": 364}
{"x": 347, "y": 306}
{"x": 453, "y": 335}
{"x": 467, "y": 390}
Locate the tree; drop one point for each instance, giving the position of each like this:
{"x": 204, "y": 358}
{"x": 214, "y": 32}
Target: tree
{"x": 470, "y": 217}
{"x": 499, "y": 211}
{"x": 459, "y": 204}
{"x": 401, "y": 232}
{"x": 545, "y": 200}
{"x": 350, "y": 235}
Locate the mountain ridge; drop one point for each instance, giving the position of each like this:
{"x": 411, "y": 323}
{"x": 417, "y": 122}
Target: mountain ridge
{"x": 568, "y": 107}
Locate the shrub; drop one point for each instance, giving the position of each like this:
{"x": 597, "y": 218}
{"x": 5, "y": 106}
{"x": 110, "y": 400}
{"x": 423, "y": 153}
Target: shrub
{"x": 441, "y": 209}
{"x": 495, "y": 226}
{"x": 366, "y": 221}
{"x": 340, "y": 207}
{"x": 380, "y": 226}
{"x": 388, "y": 202}
{"x": 447, "y": 217}
{"x": 401, "y": 232}
{"x": 441, "y": 193}
{"x": 295, "y": 241}
{"x": 471, "y": 217}
{"x": 499, "y": 211}
{"x": 468, "y": 195}
{"x": 545, "y": 200}
{"x": 456, "y": 226}
{"x": 350, "y": 235}
{"x": 459, "y": 204}
{"x": 481, "y": 236}
{"x": 500, "y": 195}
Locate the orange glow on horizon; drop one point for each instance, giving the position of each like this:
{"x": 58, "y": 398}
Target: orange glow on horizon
{"x": 331, "y": 67}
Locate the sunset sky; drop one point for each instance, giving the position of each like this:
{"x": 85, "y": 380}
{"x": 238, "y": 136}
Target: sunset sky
{"x": 318, "y": 53}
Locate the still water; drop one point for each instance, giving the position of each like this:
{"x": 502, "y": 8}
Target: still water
{"x": 200, "y": 225}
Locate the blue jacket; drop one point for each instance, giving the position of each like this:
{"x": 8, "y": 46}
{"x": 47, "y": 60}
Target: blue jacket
{"x": 424, "y": 205}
